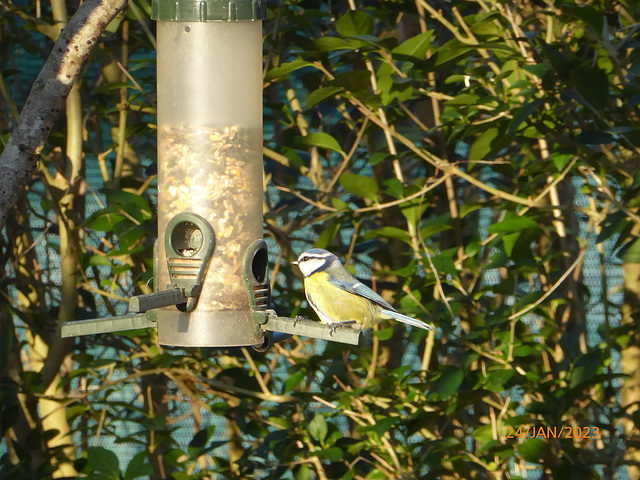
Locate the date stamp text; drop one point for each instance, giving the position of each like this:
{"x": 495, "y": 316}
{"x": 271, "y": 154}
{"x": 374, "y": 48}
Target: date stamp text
{"x": 578, "y": 433}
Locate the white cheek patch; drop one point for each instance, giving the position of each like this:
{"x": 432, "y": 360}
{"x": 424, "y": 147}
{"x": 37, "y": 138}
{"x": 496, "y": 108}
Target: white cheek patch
{"x": 311, "y": 265}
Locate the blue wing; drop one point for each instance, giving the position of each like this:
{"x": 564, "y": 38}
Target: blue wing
{"x": 357, "y": 288}
{"x": 362, "y": 290}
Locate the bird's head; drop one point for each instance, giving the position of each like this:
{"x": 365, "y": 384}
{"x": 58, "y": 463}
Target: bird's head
{"x": 316, "y": 260}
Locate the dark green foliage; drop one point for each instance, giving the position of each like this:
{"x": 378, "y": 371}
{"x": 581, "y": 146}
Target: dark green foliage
{"x": 468, "y": 155}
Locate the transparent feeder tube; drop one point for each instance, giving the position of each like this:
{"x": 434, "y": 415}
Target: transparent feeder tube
{"x": 210, "y": 163}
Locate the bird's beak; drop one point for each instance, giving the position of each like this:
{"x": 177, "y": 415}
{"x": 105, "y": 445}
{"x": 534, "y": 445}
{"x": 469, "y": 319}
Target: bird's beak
{"x": 295, "y": 262}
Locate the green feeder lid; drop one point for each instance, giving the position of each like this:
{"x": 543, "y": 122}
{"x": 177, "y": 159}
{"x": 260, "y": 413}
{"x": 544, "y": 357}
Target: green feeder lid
{"x": 205, "y": 10}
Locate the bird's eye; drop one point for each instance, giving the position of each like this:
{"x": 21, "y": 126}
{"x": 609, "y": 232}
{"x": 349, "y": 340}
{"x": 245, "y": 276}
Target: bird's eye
{"x": 305, "y": 258}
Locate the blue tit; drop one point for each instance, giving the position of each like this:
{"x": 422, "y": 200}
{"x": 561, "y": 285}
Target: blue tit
{"x": 339, "y": 298}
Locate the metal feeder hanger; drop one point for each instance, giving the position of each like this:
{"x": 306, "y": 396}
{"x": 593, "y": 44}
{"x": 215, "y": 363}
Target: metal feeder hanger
{"x": 211, "y": 275}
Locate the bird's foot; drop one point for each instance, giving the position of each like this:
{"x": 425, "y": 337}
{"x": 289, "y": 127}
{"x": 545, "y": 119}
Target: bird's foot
{"x": 297, "y": 319}
{"x": 333, "y": 326}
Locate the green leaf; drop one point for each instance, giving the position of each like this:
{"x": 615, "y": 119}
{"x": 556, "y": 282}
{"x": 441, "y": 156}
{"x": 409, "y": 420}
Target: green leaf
{"x": 472, "y": 248}
{"x": 389, "y": 232}
{"x": 340, "y": 204}
{"x": 105, "y": 220}
{"x": 328, "y": 234}
{"x": 322, "y": 140}
{"x": 487, "y": 25}
{"x": 393, "y": 187}
{"x": 383, "y": 334}
{"x": 448, "y": 383}
{"x": 591, "y": 84}
{"x": 377, "y": 157}
{"x": 586, "y": 14}
{"x": 540, "y": 70}
{"x": 413, "y": 209}
{"x": 463, "y": 99}
{"x": 354, "y": 22}
{"x": 302, "y": 472}
{"x": 497, "y": 378}
{"x": 414, "y": 47}
{"x": 522, "y": 114}
{"x": 451, "y": 51}
{"x": 444, "y": 263}
{"x": 128, "y": 199}
{"x": 632, "y": 254}
{"x": 561, "y": 160}
{"x": 353, "y": 80}
{"x": 293, "y": 381}
{"x": 481, "y": 147}
{"x": 381, "y": 426}
{"x": 104, "y": 461}
{"x": 512, "y": 223}
{"x": 328, "y": 44}
{"x": 198, "y": 444}
{"x": 72, "y": 411}
{"x": 436, "y": 225}
{"x": 138, "y": 467}
{"x": 634, "y": 69}
{"x": 391, "y": 91}
{"x": 467, "y": 208}
{"x": 333, "y": 454}
{"x": 365, "y": 187}
{"x": 483, "y": 434}
{"x": 129, "y": 238}
{"x": 532, "y": 450}
{"x": 318, "y": 427}
{"x": 286, "y": 68}
{"x": 586, "y": 368}
{"x": 112, "y": 86}
{"x": 509, "y": 242}
{"x": 321, "y": 94}
{"x": 99, "y": 260}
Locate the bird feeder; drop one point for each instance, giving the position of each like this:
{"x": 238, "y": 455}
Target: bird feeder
{"x": 211, "y": 264}
{"x": 209, "y": 164}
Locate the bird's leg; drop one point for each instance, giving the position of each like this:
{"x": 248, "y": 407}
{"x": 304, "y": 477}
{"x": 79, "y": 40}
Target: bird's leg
{"x": 333, "y": 326}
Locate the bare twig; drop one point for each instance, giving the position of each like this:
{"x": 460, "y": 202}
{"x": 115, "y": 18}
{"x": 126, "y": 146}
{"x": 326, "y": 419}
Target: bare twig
{"x": 553, "y": 287}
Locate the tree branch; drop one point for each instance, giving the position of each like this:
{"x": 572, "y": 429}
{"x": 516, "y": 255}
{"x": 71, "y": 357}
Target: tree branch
{"x": 48, "y": 95}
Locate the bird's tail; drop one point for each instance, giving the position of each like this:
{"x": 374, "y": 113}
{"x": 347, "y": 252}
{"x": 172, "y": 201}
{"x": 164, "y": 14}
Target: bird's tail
{"x": 408, "y": 320}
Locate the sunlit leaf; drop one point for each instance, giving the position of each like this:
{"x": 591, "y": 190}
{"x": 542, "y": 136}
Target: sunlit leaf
{"x": 286, "y": 68}
{"x": 415, "y": 47}
{"x": 632, "y": 254}
{"x": 532, "y": 450}
{"x": 512, "y": 223}
{"x": 293, "y": 380}
{"x": 318, "y": 427}
{"x": 328, "y": 44}
{"x": 322, "y": 140}
{"x": 389, "y": 232}
{"x": 365, "y": 187}
{"x": 482, "y": 146}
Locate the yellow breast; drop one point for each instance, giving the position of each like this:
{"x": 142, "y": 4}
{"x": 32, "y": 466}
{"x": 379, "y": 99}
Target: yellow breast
{"x": 334, "y": 305}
